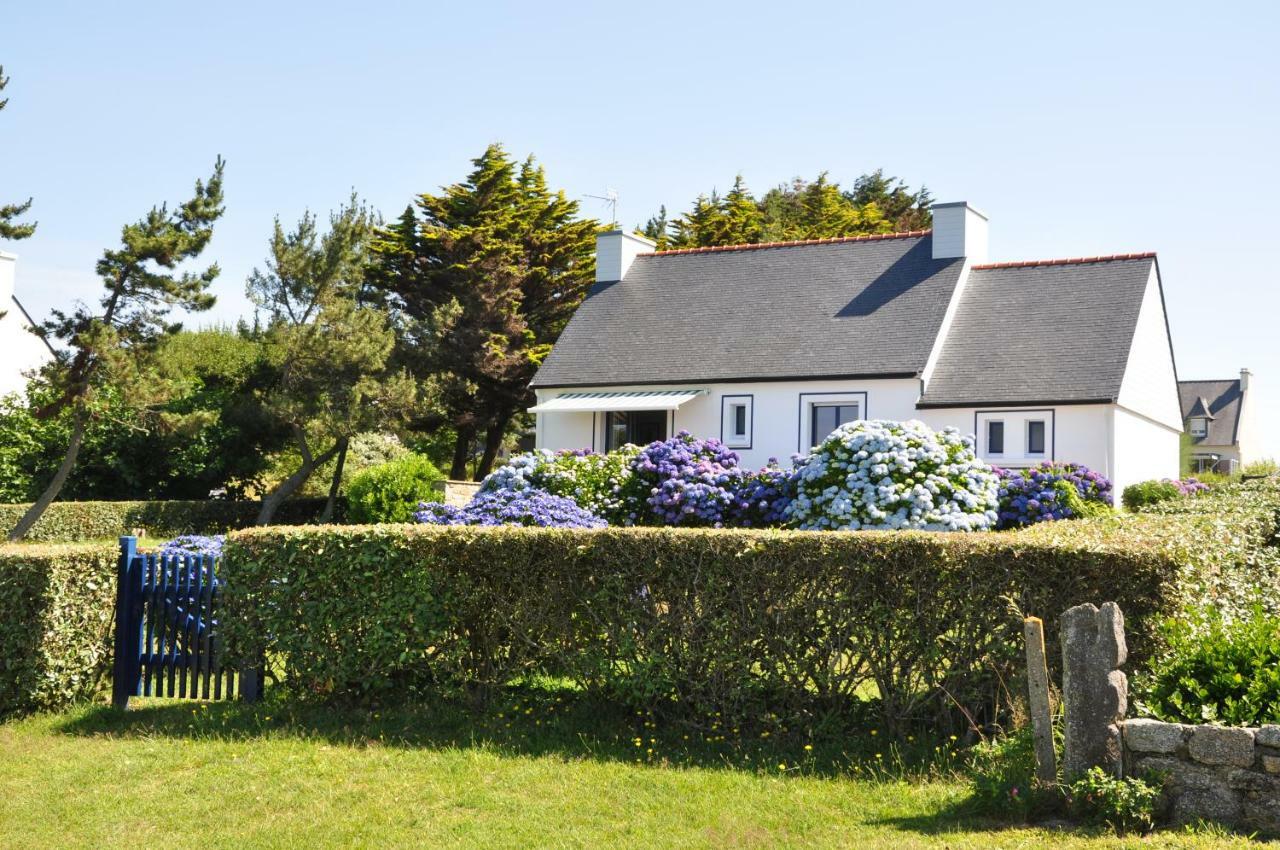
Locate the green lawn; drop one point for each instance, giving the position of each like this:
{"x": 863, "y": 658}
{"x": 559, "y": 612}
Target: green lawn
{"x": 526, "y": 774}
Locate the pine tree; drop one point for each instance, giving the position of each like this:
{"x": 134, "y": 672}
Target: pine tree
{"x": 657, "y": 228}
{"x": 486, "y": 274}
{"x": 112, "y": 348}
{"x": 744, "y": 222}
{"x": 10, "y": 229}
{"x": 331, "y": 353}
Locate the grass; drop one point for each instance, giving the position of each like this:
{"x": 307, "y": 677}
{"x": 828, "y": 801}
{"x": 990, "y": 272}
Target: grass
{"x": 535, "y": 770}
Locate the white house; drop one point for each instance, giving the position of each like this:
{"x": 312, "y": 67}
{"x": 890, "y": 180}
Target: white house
{"x": 1219, "y": 416}
{"x": 20, "y": 350}
{"x": 769, "y": 347}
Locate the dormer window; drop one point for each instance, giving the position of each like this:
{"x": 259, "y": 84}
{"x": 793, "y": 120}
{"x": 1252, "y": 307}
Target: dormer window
{"x": 1199, "y": 426}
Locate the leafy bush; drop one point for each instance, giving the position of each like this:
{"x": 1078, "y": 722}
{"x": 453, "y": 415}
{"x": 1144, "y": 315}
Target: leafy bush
{"x": 598, "y": 483}
{"x": 882, "y": 474}
{"x": 57, "y": 610}
{"x": 744, "y": 622}
{"x": 390, "y": 492}
{"x": 1002, "y": 778}
{"x": 77, "y": 521}
{"x": 511, "y": 507}
{"x": 1144, "y": 493}
{"x": 1216, "y": 671}
{"x": 1124, "y": 805}
{"x": 1051, "y": 491}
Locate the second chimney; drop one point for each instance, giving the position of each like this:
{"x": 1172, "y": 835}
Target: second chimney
{"x": 615, "y": 251}
{"x": 959, "y": 230}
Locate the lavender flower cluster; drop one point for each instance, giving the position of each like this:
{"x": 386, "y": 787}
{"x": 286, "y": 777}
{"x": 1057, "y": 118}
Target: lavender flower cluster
{"x": 194, "y": 544}
{"x": 511, "y": 507}
{"x": 687, "y": 481}
{"x": 1042, "y": 493}
{"x": 1188, "y": 486}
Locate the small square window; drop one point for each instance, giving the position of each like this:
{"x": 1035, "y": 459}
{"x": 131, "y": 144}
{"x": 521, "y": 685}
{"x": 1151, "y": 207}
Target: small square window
{"x": 1035, "y": 437}
{"x": 735, "y": 426}
{"x": 1199, "y": 427}
{"x": 739, "y": 420}
{"x": 995, "y": 437}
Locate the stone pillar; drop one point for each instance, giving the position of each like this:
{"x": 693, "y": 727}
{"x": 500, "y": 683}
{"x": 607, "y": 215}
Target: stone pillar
{"x": 1038, "y": 701}
{"x": 1095, "y": 694}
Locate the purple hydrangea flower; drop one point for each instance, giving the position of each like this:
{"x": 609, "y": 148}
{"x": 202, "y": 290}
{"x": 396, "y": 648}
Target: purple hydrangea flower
{"x": 511, "y": 507}
{"x": 194, "y": 544}
{"x": 1028, "y": 496}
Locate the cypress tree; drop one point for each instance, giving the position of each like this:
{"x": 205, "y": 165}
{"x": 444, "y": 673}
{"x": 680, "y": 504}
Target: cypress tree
{"x": 9, "y": 228}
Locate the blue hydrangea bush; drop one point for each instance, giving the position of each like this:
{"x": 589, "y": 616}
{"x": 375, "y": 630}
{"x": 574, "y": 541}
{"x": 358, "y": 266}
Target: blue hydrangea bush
{"x": 512, "y": 507}
{"x": 595, "y": 482}
{"x": 893, "y": 475}
{"x": 194, "y": 544}
{"x": 1051, "y": 491}
{"x": 687, "y": 481}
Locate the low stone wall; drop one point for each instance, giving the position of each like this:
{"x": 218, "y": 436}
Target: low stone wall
{"x": 457, "y": 493}
{"x": 1225, "y": 774}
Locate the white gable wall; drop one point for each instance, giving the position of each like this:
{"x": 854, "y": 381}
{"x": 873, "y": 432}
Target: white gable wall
{"x": 1150, "y": 387}
{"x": 20, "y": 350}
{"x": 1144, "y": 449}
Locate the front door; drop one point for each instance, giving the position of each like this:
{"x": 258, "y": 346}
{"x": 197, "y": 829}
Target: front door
{"x": 634, "y": 426}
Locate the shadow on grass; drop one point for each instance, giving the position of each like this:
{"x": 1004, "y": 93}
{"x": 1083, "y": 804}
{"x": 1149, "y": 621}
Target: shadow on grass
{"x": 537, "y": 720}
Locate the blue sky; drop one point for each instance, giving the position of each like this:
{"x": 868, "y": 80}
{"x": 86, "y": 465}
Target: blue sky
{"x": 1091, "y": 128}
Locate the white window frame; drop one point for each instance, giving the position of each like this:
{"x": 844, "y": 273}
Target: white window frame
{"x": 728, "y": 404}
{"x": 1199, "y": 426}
{"x": 808, "y": 401}
{"x": 1044, "y": 438}
{"x": 986, "y": 437}
{"x": 1017, "y": 432}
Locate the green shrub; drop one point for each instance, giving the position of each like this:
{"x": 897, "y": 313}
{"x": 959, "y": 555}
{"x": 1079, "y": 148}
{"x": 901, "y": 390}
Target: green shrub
{"x": 1214, "y": 670}
{"x": 76, "y": 521}
{"x": 57, "y": 608}
{"x": 1003, "y": 782}
{"x": 1124, "y": 805}
{"x": 1146, "y": 493}
{"x": 391, "y": 491}
{"x": 741, "y": 622}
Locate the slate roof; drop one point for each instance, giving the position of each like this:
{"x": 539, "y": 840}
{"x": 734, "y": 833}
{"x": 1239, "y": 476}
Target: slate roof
{"x": 1041, "y": 333}
{"x": 840, "y": 308}
{"x": 1223, "y": 398}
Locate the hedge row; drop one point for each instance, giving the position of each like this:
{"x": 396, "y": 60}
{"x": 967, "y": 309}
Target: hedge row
{"x": 57, "y": 606}
{"x": 740, "y": 622}
{"x": 76, "y": 521}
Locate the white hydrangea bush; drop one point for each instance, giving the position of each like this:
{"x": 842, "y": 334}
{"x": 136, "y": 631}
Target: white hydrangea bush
{"x": 889, "y": 475}
{"x": 597, "y": 482}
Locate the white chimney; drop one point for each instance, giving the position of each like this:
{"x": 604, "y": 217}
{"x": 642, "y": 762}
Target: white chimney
{"x": 8, "y": 266}
{"x": 1245, "y": 375}
{"x": 615, "y": 251}
{"x": 959, "y": 231}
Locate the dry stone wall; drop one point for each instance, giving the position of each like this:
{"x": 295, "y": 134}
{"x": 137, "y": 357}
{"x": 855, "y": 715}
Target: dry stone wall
{"x": 1220, "y": 773}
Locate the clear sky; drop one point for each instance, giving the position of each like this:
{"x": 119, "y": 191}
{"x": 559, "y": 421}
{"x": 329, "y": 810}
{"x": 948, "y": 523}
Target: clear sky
{"x": 1089, "y": 128}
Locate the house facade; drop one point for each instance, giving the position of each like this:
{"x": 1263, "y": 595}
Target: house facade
{"x": 1219, "y": 418}
{"x": 771, "y": 347}
{"x": 20, "y": 350}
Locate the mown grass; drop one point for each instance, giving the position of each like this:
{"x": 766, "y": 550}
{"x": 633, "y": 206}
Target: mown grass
{"x": 537, "y": 769}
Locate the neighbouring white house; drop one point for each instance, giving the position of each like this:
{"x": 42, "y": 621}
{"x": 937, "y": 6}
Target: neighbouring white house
{"x": 770, "y": 347}
{"x": 21, "y": 351}
{"x": 1219, "y": 416}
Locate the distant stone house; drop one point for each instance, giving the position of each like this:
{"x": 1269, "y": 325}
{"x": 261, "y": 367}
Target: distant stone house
{"x": 21, "y": 351}
{"x": 771, "y": 347}
{"x": 1219, "y": 417}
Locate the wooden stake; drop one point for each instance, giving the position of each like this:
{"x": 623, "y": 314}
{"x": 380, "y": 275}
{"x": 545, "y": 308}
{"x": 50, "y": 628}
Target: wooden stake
{"x": 1038, "y": 687}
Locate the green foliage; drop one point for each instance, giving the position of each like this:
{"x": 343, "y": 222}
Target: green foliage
{"x": 1146, "y": 493}
{"x": 1080, "y": 507}
{"x": 800, "y": 210}
{"x": 1125, "y": 805}
{"x": 390, "y": 492}
{"x": 1003, "y": 779}
{"x": 1258, "y": 468}
{"x": 56, "y": 615}
{"x": 682, "y": 620}
{"x": 481, "y": 280}
{"x": 10, "y": 229}
{"x": 80, "y": 521}
{"x": 1216, "y": 671}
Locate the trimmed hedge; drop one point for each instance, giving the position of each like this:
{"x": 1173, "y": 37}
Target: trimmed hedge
{"x": 57, "y": 608}
{"x": 699, "y": 621}
{"x": 76, "y": 521}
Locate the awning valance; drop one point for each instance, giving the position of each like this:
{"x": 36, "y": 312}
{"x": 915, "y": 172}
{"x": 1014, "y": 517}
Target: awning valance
{"x": 588, "y": 402}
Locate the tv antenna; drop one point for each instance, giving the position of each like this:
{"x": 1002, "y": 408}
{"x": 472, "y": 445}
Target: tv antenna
{"x": 610, "y": 197}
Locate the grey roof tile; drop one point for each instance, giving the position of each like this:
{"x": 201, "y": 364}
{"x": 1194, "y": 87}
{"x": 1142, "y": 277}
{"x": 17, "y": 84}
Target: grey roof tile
{"x": 1223, "y": 398}
{"x": 818, "y": 310}
{"x": 1036, "y": 334}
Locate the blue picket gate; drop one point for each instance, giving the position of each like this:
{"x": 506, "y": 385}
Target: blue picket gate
{"x": 167, "y": 642}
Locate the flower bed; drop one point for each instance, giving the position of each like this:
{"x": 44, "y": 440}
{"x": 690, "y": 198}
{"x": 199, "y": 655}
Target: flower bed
{"x": 1051, "y": 491}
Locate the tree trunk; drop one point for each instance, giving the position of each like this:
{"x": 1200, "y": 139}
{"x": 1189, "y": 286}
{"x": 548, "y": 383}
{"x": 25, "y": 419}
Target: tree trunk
{"x": 492, "y": 443}
{"x": 336, "y": 484}
{"x": 79, "y": 425}
{"x": 291, "y": 484}
{"x": 462, "y": 452}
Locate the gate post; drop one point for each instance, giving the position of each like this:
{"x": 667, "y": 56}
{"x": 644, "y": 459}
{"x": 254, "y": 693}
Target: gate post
{"x": 125, "y": 669}
{"x": 1095, "y": 693}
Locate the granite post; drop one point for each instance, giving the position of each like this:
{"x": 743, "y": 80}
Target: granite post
{"x": 1095, "y": 693}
